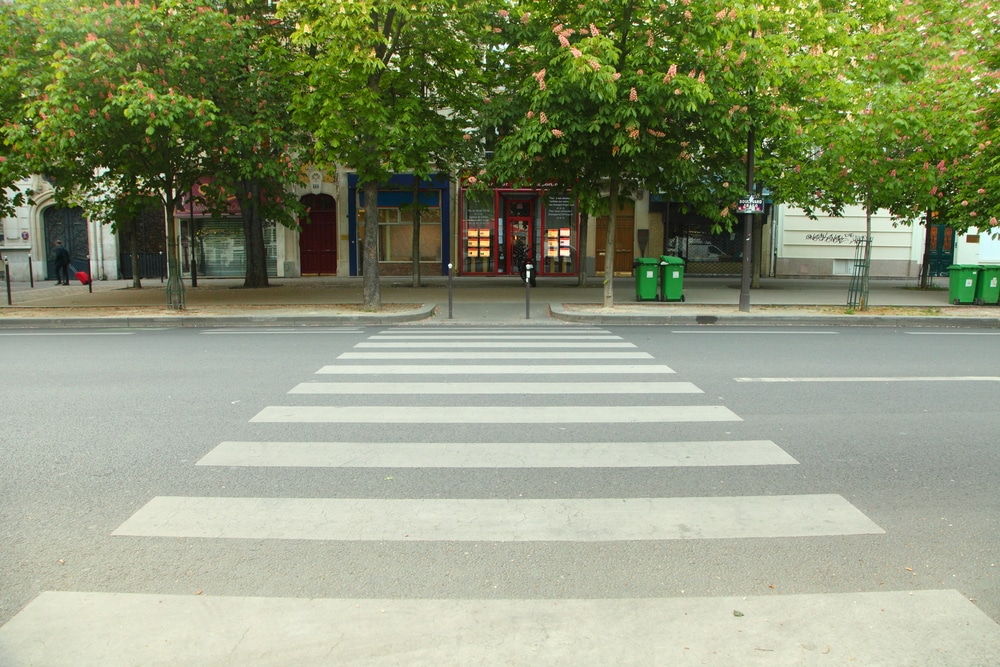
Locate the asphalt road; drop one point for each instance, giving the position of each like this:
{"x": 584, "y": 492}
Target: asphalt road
{"x": 896, "y": 428}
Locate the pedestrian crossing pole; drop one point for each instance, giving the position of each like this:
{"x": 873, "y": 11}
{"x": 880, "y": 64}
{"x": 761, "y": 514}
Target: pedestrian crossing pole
{"x": 450, "y": 276}
{"x": 528, "y": 268}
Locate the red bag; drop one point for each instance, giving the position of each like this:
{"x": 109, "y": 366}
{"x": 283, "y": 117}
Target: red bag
{"x": 83, "y": 277}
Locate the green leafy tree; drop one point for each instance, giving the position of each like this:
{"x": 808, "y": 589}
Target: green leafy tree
{"x": 262, "y": 151}
{"x": 377, "y": 72}
{"x": 16, "y": 38}
{"x": 904, "y": 116}
{"x": 124, "y": 103}
{"x": 626, "y": 94}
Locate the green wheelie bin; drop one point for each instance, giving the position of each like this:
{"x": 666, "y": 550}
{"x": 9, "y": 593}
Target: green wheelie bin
{"x": 988, "y": 285}
{"x": 671, "y": 278}
{"x": 645, "y": 278}
{"x": 962, "y": 280}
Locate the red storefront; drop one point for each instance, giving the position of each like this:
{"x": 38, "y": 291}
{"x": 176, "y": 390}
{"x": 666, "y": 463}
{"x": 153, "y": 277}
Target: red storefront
{"x": 493, "y": 221}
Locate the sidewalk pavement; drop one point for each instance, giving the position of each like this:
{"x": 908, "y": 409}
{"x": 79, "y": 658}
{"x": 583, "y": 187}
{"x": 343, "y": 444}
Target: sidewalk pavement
{"x": 473, "y": 300}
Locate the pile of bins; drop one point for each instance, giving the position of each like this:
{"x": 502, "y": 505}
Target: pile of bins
{"x": 659, "y": 279}
{"x": 974, "y": 283}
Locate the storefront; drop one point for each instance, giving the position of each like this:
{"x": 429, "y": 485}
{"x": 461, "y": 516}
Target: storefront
{"x": 398, "y": 201}
{"x": 494, "y": 222}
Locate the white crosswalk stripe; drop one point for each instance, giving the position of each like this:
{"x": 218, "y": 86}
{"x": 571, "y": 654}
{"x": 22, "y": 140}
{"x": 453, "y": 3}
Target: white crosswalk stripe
{"x": 482, "y": 370}
{"x": 502, "y": 520}
{"x": 495, "y": 388}
{"x": 109, "y": 629}
{"x": 521, "y": 414}
{"x": 498, "y": 455}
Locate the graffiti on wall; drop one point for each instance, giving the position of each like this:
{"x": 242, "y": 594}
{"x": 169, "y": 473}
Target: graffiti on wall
{"x": 843, "y": 239}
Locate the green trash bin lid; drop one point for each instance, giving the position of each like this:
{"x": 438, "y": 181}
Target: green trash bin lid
{"x": 667, "y": 259}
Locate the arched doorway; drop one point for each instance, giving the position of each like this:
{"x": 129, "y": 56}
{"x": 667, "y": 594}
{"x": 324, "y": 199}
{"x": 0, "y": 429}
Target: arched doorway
{"x": 69, "y": 226}
{"x": 318, "y": 240}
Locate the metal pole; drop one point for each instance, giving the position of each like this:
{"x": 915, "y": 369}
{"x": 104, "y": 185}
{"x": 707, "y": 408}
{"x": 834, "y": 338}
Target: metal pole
{"x": 194, "y": 247}
{"x": 31, "y": 273}
{"x": 450, "y": 276}
{"x": 748, "y": 231}
{"x": 527, "y": 290}
{"x": 90, "y": 276}
{"x": 6, "y": 272}
{"x": 163, "y": 267}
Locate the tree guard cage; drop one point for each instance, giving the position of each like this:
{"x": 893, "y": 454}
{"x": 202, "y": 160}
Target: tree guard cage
{"x": 857, "y": 294}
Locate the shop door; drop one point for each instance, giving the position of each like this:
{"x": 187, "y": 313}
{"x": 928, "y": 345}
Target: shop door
{"x": 624, "y": 239}
{"x": 69, "y": 226}
{"x": 519, "y": 231}
{"x": 941, "y": 249}
{"x": 318, "y": 240}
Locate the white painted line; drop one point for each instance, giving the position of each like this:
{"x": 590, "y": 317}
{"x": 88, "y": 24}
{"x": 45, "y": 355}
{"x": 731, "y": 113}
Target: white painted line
{"x": 499, "y": 337}
{"x": 957, "y": 378}
{"x": 272, "y": 331}
{"x": 754, "y": 331}
{"x": 622, "y": 370}
{"x": 66, "y": 333}
{"x": 481, "y": 344}
{"x": 492, "y": 354}
{"x": 952, "y": 333}
{"x": 490, "y": 388}
{"x": 525, "y": 414}
{"x": 497, "y": 454}
{"x": 499, "y": 520}
{"x": 460, "y": 329}
{"x": 917, "y": 627}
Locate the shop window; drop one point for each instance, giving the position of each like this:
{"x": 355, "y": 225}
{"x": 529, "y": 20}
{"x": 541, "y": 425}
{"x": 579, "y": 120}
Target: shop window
{"x": 478, "y": 246}
{"x": 395, "y": 226}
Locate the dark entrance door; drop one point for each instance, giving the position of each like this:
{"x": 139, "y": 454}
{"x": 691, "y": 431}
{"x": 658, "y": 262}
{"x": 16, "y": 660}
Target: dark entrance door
{"x": 940, "y": 249}
{"x": 69, "y": 226}
{"x": 519, "y": 216}
{"x": 318, "y": 240}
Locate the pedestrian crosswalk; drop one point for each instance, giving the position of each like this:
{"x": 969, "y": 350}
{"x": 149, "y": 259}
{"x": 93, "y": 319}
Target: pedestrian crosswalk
{"x": 580, "y": 365}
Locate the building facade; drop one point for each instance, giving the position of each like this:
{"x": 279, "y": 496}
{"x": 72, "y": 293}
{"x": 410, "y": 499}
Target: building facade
{"x": 475, "y": 230}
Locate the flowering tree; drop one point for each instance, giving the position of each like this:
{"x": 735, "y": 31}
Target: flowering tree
{"x": 616, "y": 96}
{"x": 905, "y": 117}
{"x": 380, "y": 75}
{"x": 123, "y": 102}
{"x": 15, "y": 37}
{"x": 262, "y": 153}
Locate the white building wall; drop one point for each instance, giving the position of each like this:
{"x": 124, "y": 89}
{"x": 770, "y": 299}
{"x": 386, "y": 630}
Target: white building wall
{"x": 827, "y": 246}
{"x": 23, "y": 237}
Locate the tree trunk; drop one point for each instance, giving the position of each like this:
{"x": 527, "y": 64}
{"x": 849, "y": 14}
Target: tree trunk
{"x": 415, "y": 252}
{"x": 371, "y": 288}
{"x": 134, "y": 250}
{"x": 175, "y": 286}
{"x": 867, "y": 264}
{"x": 925, "y": 268}
{"x": 253, "y": 233}
{"x": 609, "y": 243}
{"x": 581, "y": 251}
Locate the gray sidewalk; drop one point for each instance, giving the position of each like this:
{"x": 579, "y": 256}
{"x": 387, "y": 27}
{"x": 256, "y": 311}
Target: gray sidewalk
{"x": 495, "y": 300}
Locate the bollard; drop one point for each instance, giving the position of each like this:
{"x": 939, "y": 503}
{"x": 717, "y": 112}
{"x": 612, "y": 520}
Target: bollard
{"x": 163, "y": 268}
{"x": 450, "y": 275}
{"x": 31, "y": 273}
{"x": 90, "y": 276}
{"x": 527, "y": 290}
{"x": 6, "y": 273}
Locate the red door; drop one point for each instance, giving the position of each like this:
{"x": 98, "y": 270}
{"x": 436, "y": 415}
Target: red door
{"x": 519, "y": 217}
{"x": 318, "y": 240}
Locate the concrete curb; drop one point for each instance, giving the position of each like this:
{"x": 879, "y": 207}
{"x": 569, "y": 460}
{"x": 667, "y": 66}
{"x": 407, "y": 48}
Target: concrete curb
{"x": 557, "y": 311}
{"x": 214, "y": 321}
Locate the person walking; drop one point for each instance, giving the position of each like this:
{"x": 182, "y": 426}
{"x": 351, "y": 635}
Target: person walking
{"x": 61, "y": 259}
